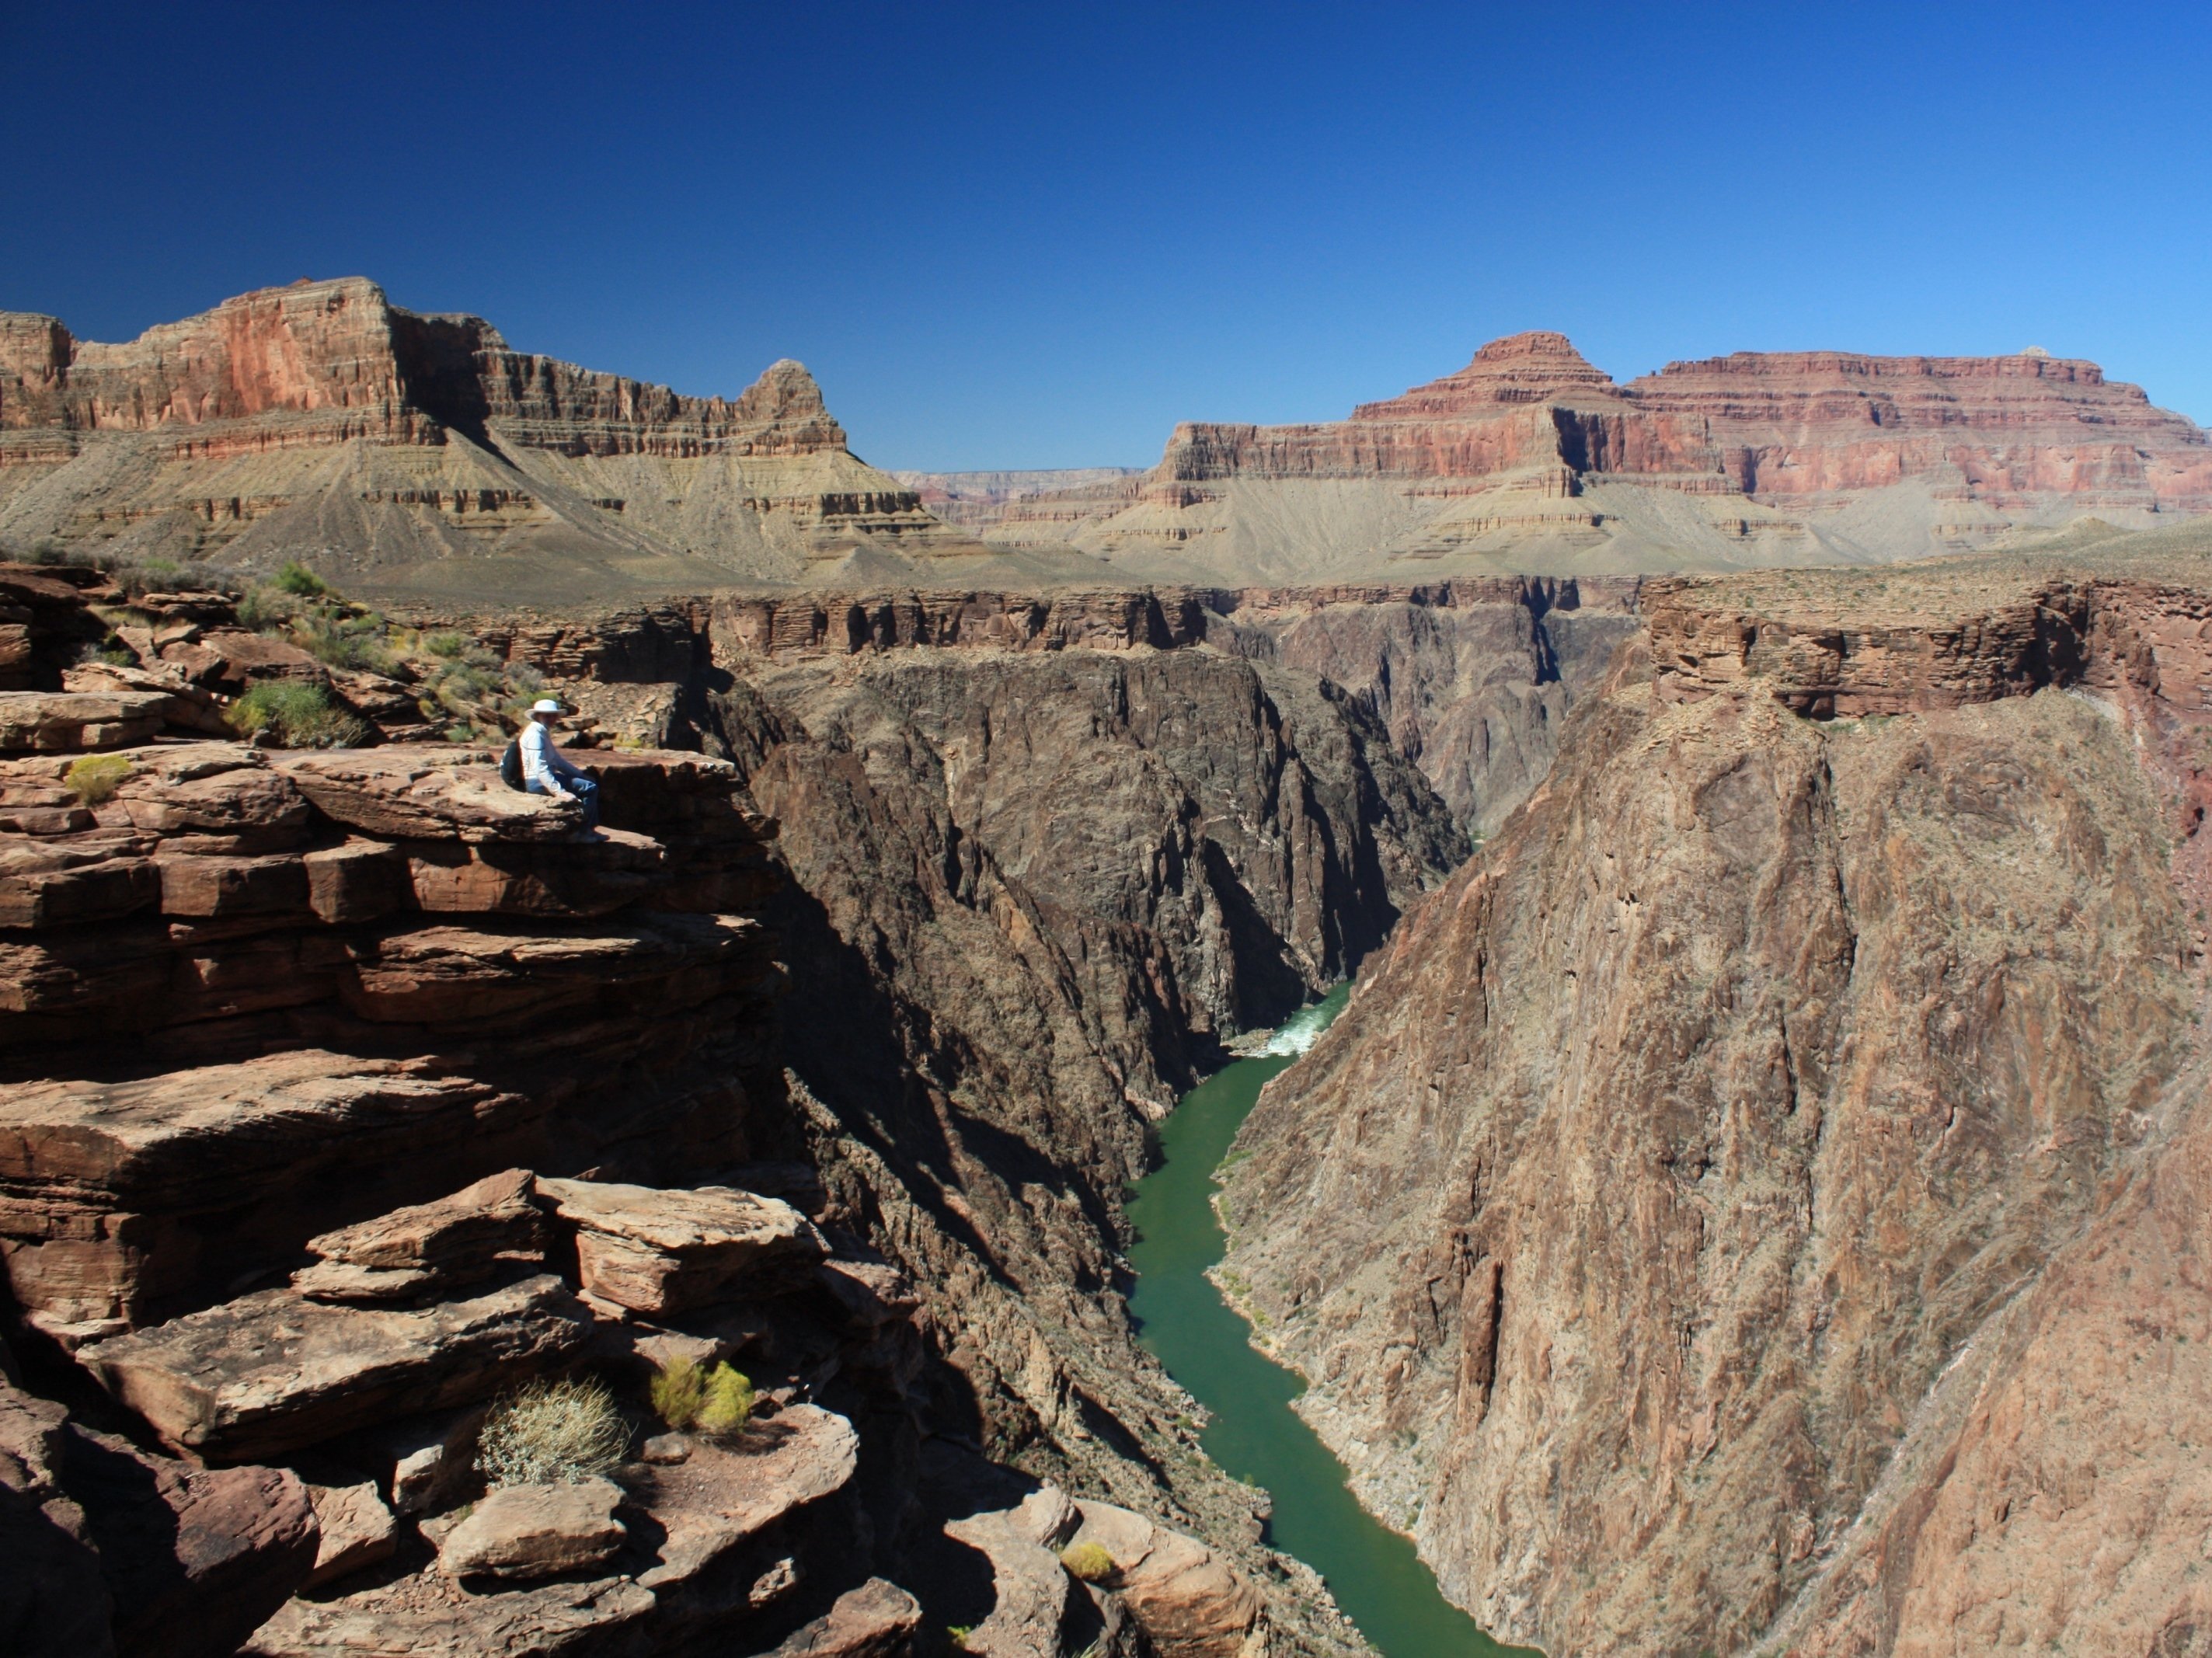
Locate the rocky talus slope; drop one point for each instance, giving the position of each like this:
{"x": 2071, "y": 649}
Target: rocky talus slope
{"x": 1531, "y": 459}
{"x": 348, "y": 1090}
{"x": 1753, "y": 1206}
{"x": 420, "y": 453}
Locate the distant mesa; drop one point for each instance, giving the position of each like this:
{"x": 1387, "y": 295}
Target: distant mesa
{"x": 420, "y": 454}
{"x": 412, "y": 452}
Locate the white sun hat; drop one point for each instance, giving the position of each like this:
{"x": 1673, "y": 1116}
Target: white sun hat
{"x": 544, "y": 704}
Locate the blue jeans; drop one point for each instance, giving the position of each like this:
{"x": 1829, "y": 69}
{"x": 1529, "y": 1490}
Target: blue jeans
{"x": 586, "y": 789}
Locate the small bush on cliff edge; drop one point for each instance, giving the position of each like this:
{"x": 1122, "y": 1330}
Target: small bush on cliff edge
{"x": 718, "y": 1402}
{"x": 679, "y": 1390}
{"x": 300, "y": 716}
{"x": 552, "y": 1433}
{"x": 97, "y": 776}
{"x": 1087, "y": 1562}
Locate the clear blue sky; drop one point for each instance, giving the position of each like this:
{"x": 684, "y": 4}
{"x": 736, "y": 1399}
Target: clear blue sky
{"x": 1038, "y": 234}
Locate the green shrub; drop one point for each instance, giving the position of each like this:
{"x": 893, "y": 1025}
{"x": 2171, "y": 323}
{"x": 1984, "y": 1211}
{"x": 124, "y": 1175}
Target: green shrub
{"x": 719, "y": 1402}
{"x": 296, "y": 579}
{"x": 446, "y": 644}
{"x": 97, "y": 776}
{"x": 679, "y": 1390}
{"x": 552, "y": 1433}
{"x": 729, "y": 1404}
{"x": 1089, "y": 1562}
{"x": 267, "y": 609}
{"x": 301, "y": 715}
{"x": 345, "y": 642}
{"x": 46, "y": 550}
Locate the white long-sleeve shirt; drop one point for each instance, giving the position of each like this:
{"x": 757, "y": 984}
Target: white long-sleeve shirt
{"x": 542, "y": 761}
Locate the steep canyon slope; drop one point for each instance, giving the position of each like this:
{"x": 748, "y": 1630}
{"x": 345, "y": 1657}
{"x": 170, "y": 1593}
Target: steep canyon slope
{"x": 1805, "y": 1097}
{"x": 273, "y": 1012}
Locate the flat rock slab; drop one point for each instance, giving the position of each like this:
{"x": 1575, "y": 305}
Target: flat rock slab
{"x": 78, "y": 719}
{"x": 660, "y": 1250}
{"x": 430, "y": 1616}
{"x": 274, "y": 1371}
{"x": 418, "y": 792}
{"x": 215, "y": 1126}
{"x": 442, "y": 973}
{"x": 71, "y": 881}
{"x": 535, "y": 1531}
{"x": 877, "y": 1620}
{"x": 74, "y": 1155}
{"x": 721, "y": 1494}
{"x": 427, "y": 1246}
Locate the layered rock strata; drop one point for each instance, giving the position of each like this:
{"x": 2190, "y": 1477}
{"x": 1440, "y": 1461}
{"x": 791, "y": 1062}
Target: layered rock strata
{"x": 1532, "y": 457}
{"x": 320, "y": 417}
{"x": 1796, "y": 1100}
{"x": 270, "y": 1008}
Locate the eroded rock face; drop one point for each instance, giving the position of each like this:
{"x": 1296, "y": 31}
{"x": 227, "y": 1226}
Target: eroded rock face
{"x": 194, "y": 1558}
{"x": 1770, "y": 1081}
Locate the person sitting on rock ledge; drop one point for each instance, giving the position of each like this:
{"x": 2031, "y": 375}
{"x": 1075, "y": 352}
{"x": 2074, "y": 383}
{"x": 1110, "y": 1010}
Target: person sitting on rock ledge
{"x": 546, "y": 770}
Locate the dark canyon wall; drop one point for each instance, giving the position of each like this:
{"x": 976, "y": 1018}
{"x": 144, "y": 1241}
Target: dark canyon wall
{"x": 1801, "y": 1117}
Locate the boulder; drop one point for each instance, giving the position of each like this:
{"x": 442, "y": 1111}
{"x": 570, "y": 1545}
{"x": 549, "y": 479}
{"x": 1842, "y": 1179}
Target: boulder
{"x": 195, "y": 1557}
{"x": 421, "y": 792}
{"x": 430, "y": 1247}
{"x": 431, "y": 1458}
{"x": 871, "y": 1293}
{"x": 274, "y": 1371}
{"x": 53, "y": 1599}
{"x": 75, "y": 721}
{"x": 1030, "y": 1588}
{"x": 535, "y": 1531}
{"x": 232, "y": 658}
{"x": 1189, "y": 1602}
{"x": 877, "y": 1620}
{"x": 658, "y": 1251}
{"x": 356, "y": 1530}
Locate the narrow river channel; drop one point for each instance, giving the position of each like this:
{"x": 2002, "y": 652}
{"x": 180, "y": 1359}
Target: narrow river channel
{"x": 1373, "y": 1572}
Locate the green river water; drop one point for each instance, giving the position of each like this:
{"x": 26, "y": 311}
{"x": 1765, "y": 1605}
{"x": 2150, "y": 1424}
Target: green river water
{"x": 1373, "y": 1572}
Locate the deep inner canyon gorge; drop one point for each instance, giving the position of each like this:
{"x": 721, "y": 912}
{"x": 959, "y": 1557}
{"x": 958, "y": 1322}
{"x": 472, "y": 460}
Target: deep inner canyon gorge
{"x": 1752, "y": 1200}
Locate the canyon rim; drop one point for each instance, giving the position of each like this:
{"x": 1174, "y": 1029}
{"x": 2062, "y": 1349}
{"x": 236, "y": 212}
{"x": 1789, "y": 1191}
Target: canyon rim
{"x": 1752, "y": 1201}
